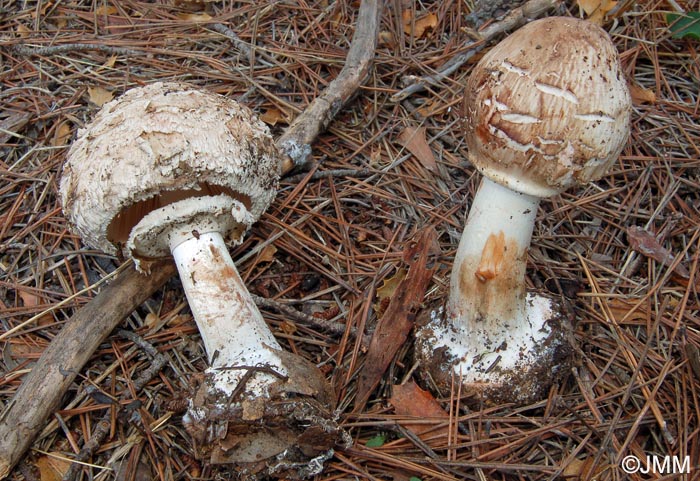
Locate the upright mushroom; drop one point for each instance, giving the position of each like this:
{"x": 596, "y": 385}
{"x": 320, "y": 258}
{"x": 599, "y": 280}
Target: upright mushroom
{"x": 170, "y": 170}
{"x": 546, "y": 109}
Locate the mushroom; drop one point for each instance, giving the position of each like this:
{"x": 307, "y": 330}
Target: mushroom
{"x": 548, "y": 108}
{"x": 170, "y": 170}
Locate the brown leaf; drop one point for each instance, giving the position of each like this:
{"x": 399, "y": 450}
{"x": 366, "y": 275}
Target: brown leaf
{"x": 387, "y": 290}
{"x": 106, "y": 10}
{"x": 23, "y": 31}
{"x": 596, "y": 9}
{"x": 52, "y": 468}
{"x": 29, "y": 299}
{"x": 194, "y": 17}
{"x": 640, "y": 95}
{"x": 421, "y": 26}
{"x": 410, "y": 400}
{"x": 61, "y": 135}
{"x": 393, "y": 327}
{"x": 627, "y": 312}
{"x": 99, "y": 96}
{"x": 389, "y": 285}
{"x": 110, "y": 62}
{"x": 267, "y": 254}
{"x": 386, "y": 39}
{"x": 576, "y": 468}
{"x": 273, "y": 116}
{"x": 415, "y": 141}
{"x": 644, "y": 242}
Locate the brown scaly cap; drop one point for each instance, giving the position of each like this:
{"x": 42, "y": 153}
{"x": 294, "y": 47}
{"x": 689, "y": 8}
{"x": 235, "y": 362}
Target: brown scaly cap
{"x": 548, "y": 107}
{"x": 159, "y": 144}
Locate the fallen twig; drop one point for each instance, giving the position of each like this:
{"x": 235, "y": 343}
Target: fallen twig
{"x": 296, "y": 140}
{"x": 315, "y": 322}
{"x": 516, "y": 17}
{"x": 74, "y": 47}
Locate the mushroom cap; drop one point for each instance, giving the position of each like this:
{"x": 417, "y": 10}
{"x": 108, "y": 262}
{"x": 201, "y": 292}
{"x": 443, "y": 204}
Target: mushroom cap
{"x": 548, "y": 107}
{"x": 157, "y": 145}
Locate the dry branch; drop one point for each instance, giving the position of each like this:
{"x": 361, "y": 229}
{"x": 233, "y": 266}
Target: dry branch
{"x": 60, "y": 363}
{"x": 516, "y": 17}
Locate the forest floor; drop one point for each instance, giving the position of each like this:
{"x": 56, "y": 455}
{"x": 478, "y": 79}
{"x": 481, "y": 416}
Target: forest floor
{"x": 621, "y": 253}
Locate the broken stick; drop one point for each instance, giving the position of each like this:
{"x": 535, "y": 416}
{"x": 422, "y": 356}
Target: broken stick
{"x": 518, "y": 16}
{"x": 59, "y": 364}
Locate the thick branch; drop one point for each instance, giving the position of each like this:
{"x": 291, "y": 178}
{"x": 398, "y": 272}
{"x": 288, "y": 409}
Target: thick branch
{"x": 42, "y": 389}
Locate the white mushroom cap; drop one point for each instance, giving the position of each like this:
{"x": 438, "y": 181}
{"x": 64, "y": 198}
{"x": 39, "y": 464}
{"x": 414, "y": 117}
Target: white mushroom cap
{"x": 548, "y": 107}
{"x": 160, "y": 144}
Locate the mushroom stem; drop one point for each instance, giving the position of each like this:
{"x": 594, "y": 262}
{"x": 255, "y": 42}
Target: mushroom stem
{"x": 487, "y": 288}
{"x": 232, "y": 329}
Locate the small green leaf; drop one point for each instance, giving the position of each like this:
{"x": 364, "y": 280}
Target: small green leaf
{"x": 414, "y": 478}
{"x": 684, "y": 25}
{"x": 376, "y": 441}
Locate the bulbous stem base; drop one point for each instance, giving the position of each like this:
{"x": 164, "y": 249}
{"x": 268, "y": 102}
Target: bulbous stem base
{"x": 499, "y": 340}
{"x": 256, "y": 407}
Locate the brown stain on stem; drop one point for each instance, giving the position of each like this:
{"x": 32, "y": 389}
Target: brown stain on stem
{"x": 494, "y": 281}
{"x": 492, "y": 257}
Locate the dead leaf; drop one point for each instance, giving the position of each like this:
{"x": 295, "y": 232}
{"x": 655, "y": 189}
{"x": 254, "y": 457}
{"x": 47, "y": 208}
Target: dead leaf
{"x": 386, "y": 292}
{"x": 194, "y": 17}
{"x": 29, "y": 299}
{"x": 110, "y": 62}
{"x": 52, "y": 468}
{"x": 106, "y": 10}
{"x": 640, "y": 95}
{"x": 23, "y": 31}
{"x": 596, "y": 10}
{"x": 151, "y": 320}
{"x": 626, "y": 312}
{"x": 267, "y": 254}
{"x": 375, "y": 156}
{"x": 393, "y": 327}
{"x": 99, "y": 96}
{"x": 62, "y": 134}
{"x": 410, "y": 400}
{"x": 421, "y": 26}
{"x": 273, "y": 116}
{"x": 389, "y": 285}
{"x": 415, "y": 141}
{"x": 41, "y": 12}
{"x": 386, "y": 39}
{"x": 644, "y": 242}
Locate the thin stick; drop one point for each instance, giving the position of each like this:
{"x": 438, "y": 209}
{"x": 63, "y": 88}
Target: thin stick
{"x": 331, "y": 327}
{"x": 515, "y": 18}
{"x": 296, "y": 140}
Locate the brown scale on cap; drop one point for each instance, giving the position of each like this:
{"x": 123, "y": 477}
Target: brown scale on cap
{"x": 146, "y": 150}
{"x": 548, "y": 107}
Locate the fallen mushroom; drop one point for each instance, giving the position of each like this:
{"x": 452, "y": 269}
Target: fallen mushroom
{"x": 167, "y": 169}
{"x": 546, "y": 109}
